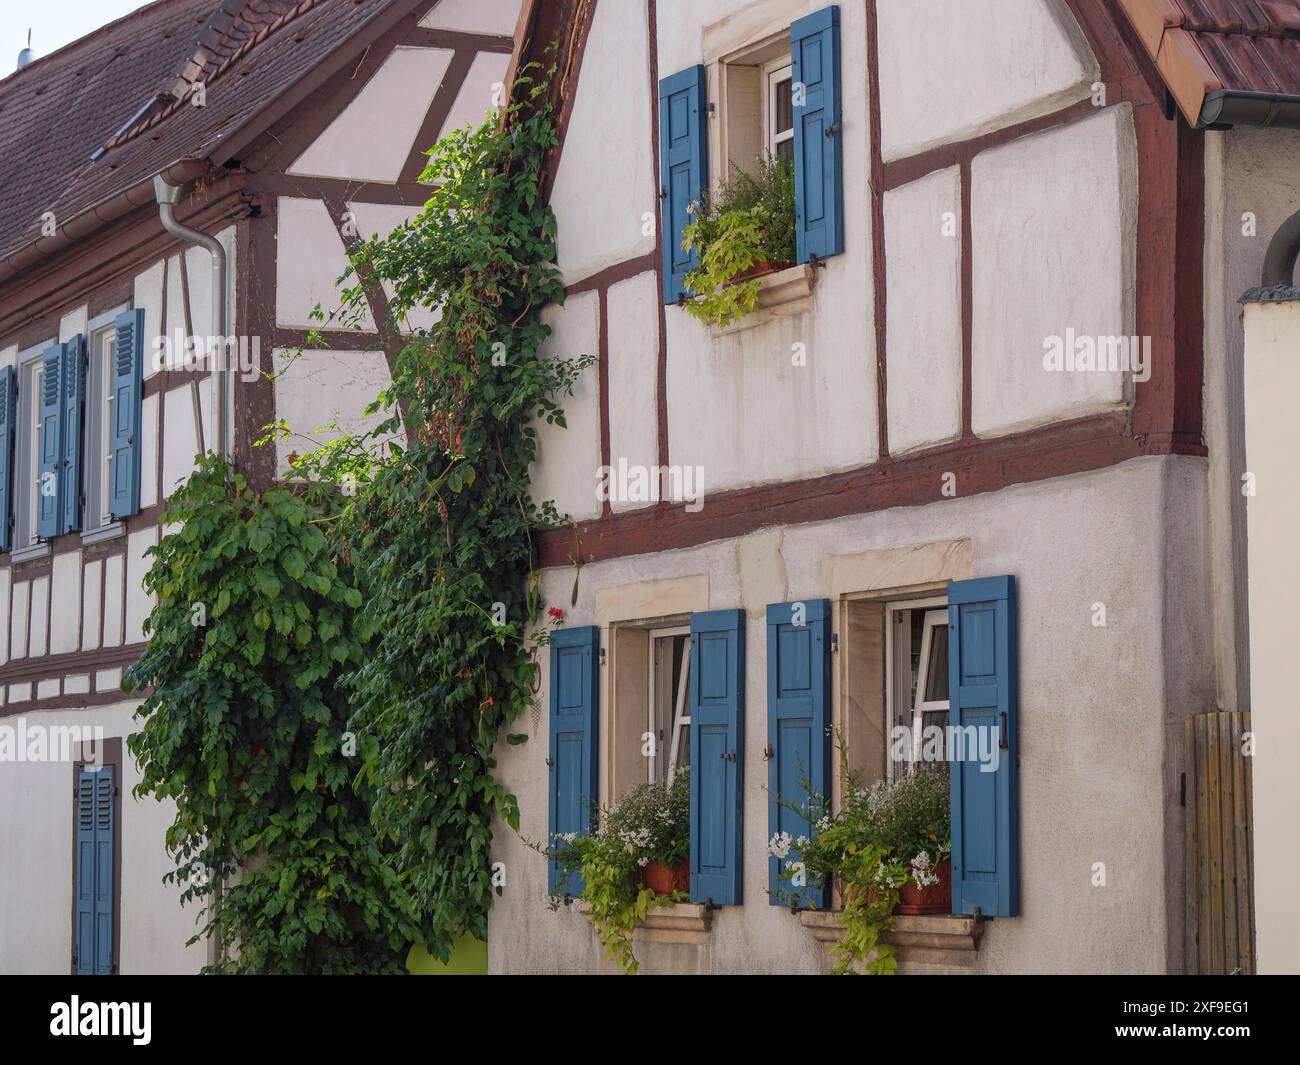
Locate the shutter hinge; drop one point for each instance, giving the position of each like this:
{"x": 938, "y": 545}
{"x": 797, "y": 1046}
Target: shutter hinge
{"x": 833, "y": 129}
{"x": 767, "y": 753}
{"x": 835, "y": 642}
{"x": 663, "y": 192}
{"x": 728, "y": 756}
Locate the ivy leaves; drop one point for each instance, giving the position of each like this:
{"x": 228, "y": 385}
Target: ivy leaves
{"x": 244, "y": 729}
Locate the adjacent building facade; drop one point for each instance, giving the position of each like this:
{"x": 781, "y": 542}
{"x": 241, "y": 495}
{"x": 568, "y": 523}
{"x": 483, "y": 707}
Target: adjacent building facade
{"x": 311, "y": 132}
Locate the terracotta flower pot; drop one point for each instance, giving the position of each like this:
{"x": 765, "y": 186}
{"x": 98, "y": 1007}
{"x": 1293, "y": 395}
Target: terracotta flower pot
{"x": 937, "y": 898}
{"x": 665, "y": 879}
{"x": 763, "y": 266}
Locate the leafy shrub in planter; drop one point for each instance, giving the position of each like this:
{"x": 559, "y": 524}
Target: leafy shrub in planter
{"x": 651, "y": 823}
{"x": 746, "y": 227}
{"x": 881, "y": 839}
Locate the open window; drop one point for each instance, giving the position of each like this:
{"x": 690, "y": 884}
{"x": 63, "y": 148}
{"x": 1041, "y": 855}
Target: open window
{"x": 917, "y": 678}
{"x": 668, "y": 698}
{"x": 758, "y": 128}
{"x": 97, "y": 514}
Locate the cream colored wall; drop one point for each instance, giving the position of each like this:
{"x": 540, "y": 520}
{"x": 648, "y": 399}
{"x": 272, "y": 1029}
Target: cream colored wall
{"x": 1093, "y": 779}
{"x": 953, "y": 69}
{"x": 36, "y": 877}
{"x": 1271, "y": 382}
{"x": 371, "y": 139}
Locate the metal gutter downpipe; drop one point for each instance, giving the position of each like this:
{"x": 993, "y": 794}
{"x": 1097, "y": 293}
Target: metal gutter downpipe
{"x": 1283, "y": 250}
{"x": 168, "y": 195}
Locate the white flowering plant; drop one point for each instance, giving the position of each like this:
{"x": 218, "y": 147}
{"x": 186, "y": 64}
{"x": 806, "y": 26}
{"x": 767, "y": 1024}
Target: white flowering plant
{"x": 651, "y": 823}
{"x": 879, "y": 839}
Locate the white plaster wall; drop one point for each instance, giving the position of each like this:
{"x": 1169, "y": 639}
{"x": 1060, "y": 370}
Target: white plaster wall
{"x": 1093, "y": 779}
{"x": 114, "y": 599}
{"x": 65, "y": 602}
{"x": 923, "y": 311}
{"x": 373, "y": 136}
{"x": 139, "y": 603}
{"x": 473, "y": 16}
{"x": 19, "y": 602}
{"x": 380, "y": 219}
{"x": 37, "y": 640}
{"x": 606, "y": 181}
{"x": 738, "y": 405}
{"x": 180, "y": 437}
{"x": 953, "y": 69}
{"x": 36, "y": 919}
{"x": 1272, "y": 375}
{"x": 91, "y": 589}
{"x": 568, "y": 459}
{"x": 1053, "y": 221}
{"x": 320, "y": 387}
{"x": 310, "y": 259}
{"x": 483, "y": 91}
{"x": 148, "y": 294}
{"x": 634, "y": 375}
{"x": 6, "y": 581}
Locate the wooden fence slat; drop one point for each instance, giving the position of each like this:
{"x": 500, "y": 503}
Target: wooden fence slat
{"x": 1220, "y": 925}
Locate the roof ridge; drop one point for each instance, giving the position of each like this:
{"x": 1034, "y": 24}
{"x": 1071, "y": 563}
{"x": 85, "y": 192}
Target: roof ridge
{"x": 208, "y": 61}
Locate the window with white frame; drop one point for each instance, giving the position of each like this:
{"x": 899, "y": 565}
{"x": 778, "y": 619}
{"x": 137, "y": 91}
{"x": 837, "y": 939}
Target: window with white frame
{"x": 669, "y": 703}
{"x": 778, "y": 109}
{"x": 97, "y": 465}
{"x": 757, "y": 107}
{"x": 916, "y": 662}
{"x": 27, "y": 449}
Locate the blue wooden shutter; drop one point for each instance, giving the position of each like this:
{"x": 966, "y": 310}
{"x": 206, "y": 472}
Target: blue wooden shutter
{"x": 72, "y": 412}
{"x": 717, "y": 754}
{"x": 104, "y": 831}
{"x": 85, "y": 872}
{"x": 798, "y": 723}
{"x": 49, "y": 489}
{"x": 8, "y": 403}
{"x": 575, "y": 724}
{"x": 818, "y": 135}
{"x": 982, "y": 693}
{"x": 683, "y": 167}
{"x": 128, "y": 381}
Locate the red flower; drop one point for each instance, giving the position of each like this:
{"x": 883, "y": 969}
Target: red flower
{"x": 556, "y": 613}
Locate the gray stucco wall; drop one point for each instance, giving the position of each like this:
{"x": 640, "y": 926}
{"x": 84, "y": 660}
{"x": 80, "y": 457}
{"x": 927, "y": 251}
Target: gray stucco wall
{"x": 1100, "y": 717}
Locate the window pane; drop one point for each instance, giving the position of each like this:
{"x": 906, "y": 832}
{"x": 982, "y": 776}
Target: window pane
{"x": 785, "y": 150}
{"x": 784, "y": 117}
{"x": 936, "y": 681}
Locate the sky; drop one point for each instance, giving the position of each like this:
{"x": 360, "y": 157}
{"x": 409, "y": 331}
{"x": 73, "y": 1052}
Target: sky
{"x": 53, "y": 23}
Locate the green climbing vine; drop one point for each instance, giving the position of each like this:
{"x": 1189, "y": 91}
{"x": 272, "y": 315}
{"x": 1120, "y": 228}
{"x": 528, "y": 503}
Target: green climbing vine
{"x": 388, "y": 595}
{"x": 245, "y": 729}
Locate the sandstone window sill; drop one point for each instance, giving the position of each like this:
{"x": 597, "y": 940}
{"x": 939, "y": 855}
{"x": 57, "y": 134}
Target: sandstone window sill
{"x": 682, "y": 922}
{"x": 925, "y": 944}
{"x": 781, "y": 294}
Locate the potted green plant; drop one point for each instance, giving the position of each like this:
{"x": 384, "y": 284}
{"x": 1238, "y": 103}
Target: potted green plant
{"x": 634, "y": 860}
{"x": 743, "y": 230}
{"x": 887, "y": 849}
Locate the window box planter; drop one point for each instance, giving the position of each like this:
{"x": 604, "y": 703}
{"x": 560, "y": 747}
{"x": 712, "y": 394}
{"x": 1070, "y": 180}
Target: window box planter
{"x": 782, "y": 293}
{"x": 924, "y": 944}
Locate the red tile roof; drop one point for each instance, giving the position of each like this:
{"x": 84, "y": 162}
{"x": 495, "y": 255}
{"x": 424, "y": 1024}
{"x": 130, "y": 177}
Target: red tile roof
{"x": 122, "y": 89}
{"x": 1204, "y": 46}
